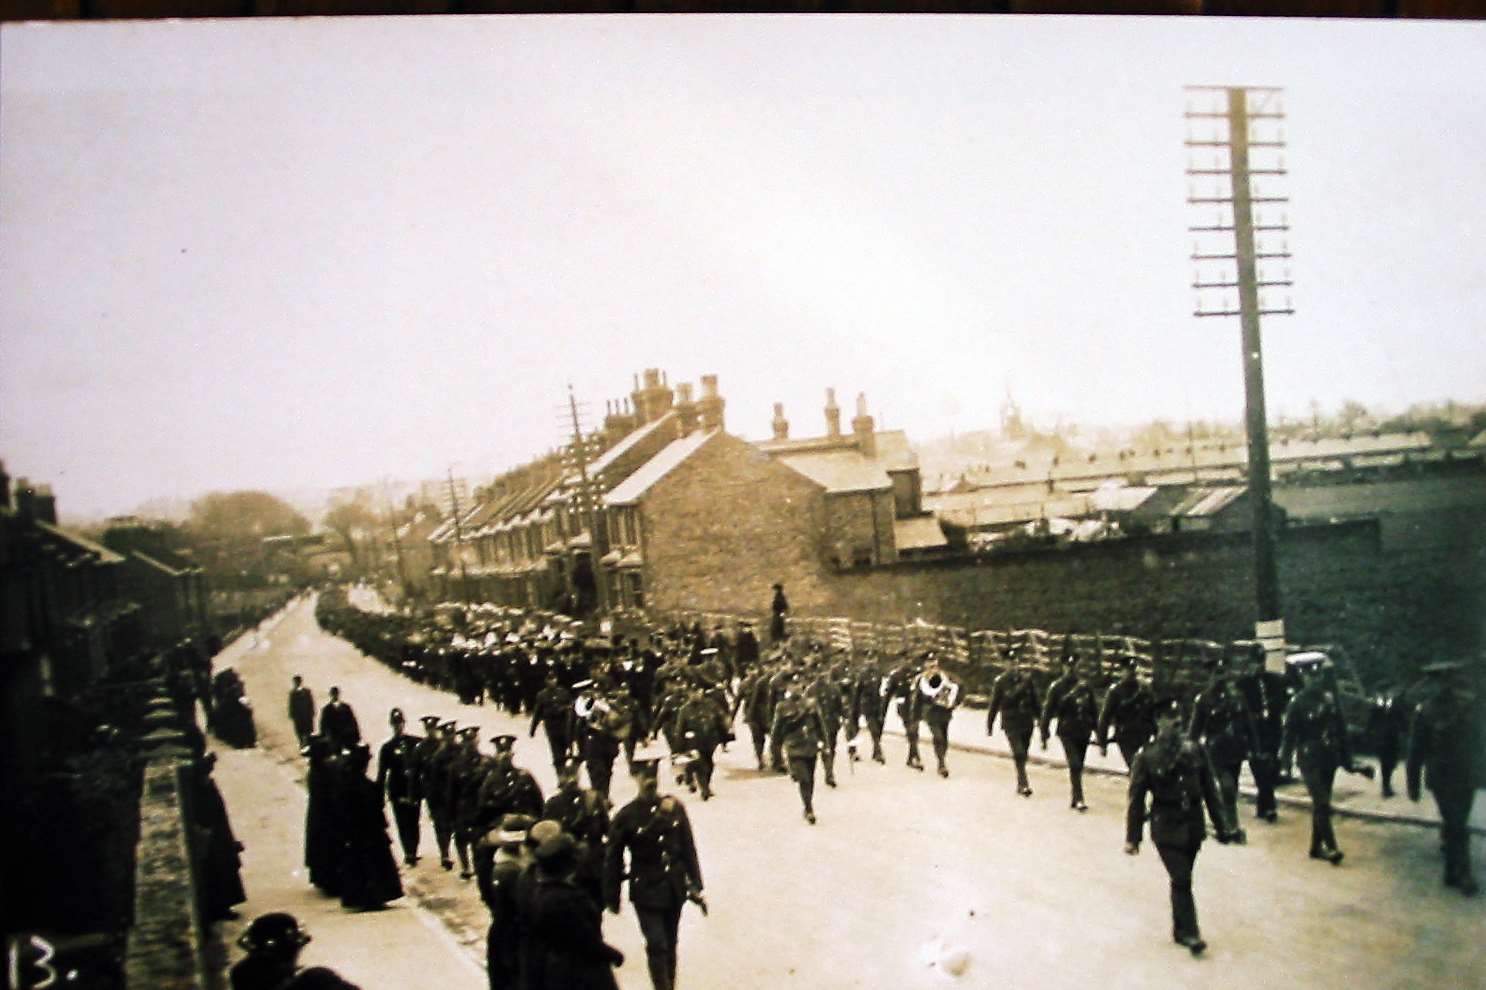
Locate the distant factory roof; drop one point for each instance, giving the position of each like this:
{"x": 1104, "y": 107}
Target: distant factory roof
{"x": 918, "y": 533}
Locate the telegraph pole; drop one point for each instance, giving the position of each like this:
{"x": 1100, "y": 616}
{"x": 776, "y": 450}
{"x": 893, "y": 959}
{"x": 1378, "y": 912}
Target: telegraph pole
{"x": 1242, "y": 108}
{"x": 464, "y": 574}
{"x": 402, "y": 573}
{"x": 588, "y": 503}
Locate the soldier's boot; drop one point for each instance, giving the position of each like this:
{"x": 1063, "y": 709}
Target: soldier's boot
{"x": 913, "y": 757}
{"x": 877, "y": 756}
{"x": 463, "y": 849}
{"x": 1022, "y": 786}
{"x": 1077, "y": 804}
{"x": 828, "y": 759}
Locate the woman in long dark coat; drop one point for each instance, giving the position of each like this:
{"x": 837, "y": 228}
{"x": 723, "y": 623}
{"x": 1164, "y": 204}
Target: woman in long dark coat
{"x": 368, "y": 872}
{"x": 567, "y": 945}
{"x": 322, "y": 842}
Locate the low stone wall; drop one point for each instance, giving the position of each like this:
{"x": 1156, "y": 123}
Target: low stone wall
{"x": 166, "y": 945}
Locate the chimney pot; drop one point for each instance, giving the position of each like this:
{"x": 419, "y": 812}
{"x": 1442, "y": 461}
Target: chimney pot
{"x": 780, "y": 424}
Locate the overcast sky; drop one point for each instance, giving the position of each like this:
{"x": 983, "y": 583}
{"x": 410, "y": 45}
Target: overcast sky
{"x": 284, "y": 253}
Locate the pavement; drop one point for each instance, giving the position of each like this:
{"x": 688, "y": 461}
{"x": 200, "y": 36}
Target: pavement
{"x": 905, "y": 879}
{"x": 1353, "y": 796}
{"x": 264, "y": 791}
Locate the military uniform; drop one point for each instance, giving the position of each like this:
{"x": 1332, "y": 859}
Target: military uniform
{"x": 435, "y": 758}
{"x": 1268, "y": 696}
{"x": 798, "y": 734}
{"x": 1445, "y": 746}
{"x": 663, "y": 874}
{"x": 553, "y": 711}
{"x": 466, "y": 776}
{"x": 700, "y": 729}
{"x": 936, "y": 711}
{"x": 1314, "y": 733}
{"x": 1071, "y": 702}
{"x": 1388, "y": 730}
{"x": 869, "y": 705}
{"x": 1178, "y": 777}
{"x": 1014, "y": 698}
{"x": 902, "y": 685}
{"x": 1224, "y": 726}
{"x": 399, "y": 780}
{"x": 1128, "y": 709}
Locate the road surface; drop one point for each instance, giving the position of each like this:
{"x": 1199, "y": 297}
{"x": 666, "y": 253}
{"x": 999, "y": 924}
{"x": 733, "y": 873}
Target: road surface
{"x": 905, "y": 869}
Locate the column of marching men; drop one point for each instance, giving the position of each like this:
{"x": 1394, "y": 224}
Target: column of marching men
{"x": 597, "y": 699}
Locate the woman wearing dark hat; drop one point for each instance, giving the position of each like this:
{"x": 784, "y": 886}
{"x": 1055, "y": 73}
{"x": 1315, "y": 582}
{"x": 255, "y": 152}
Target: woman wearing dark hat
{"x": 368, "y": 872}
{"x": 568, "y": 951}
{"x": 272, "y": 942}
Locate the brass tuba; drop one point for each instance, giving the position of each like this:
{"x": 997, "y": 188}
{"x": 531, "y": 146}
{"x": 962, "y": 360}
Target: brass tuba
{"x": 940, "y": 688}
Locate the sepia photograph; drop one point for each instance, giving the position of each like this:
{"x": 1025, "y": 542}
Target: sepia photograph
{"x": 708, "y": 501}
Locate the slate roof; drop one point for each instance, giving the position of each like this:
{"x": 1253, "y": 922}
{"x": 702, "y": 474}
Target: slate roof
{"x": 631, "y": 489}
{"x": 839, "y": 471}
{"x": 627, "y": 443}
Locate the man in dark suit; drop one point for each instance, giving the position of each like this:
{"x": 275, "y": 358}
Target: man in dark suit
{"x": 1176, "y": 774}
{"x": 663, "y": 869}
{"x": 399, "y": 780}
{"x": 338, "y": 723}
{"x": 302, "y": 711}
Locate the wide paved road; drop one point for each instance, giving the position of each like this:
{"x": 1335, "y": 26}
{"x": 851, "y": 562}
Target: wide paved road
{"x": 1038, "y": 895}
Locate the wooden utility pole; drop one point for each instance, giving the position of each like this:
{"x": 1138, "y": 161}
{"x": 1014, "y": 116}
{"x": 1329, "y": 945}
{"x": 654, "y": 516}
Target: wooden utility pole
{"x": 464, "y": 574}
{"x": 588, "y": 503}
{"x": 1232, "y": 104}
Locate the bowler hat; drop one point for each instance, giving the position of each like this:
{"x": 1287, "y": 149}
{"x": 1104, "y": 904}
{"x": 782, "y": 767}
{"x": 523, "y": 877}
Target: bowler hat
{"x": 276, "y": 930}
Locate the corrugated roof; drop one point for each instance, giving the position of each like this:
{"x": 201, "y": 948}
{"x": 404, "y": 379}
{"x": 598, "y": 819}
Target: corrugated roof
{"x": 629, "y": 491}
{"x": 918, "y": 533}
{"x": 1208, "y": 501}
{"x": 839, "y": 471}
{"x": 628, "y": 442}
{"x": 160, "y": 564}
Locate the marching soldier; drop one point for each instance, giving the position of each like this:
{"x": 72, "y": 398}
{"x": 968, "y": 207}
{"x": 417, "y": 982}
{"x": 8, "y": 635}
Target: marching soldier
{"x": 583, "y": 814}
{"x": 398, "y": 779}
{"x": 746, "y": 648}
{"x": 757, "y": 704}
{"x": 1388, "y": 730}
{"x": 937, "y": 695}
{"x": 663, "y": 869}
{"x": 1176, "y": 774}
{"x": 869, "y": 703}
{"x": 1315, "y": 735}
{"x": 1014, "y": 698}
{"x": 434, "y": 760}
{"x": 1224, "y": 726}
{"x": 798, "y": 733}
{"x": 1128, "y": 707}
{"x": 700, "y": 728}
{"x": 1268, "y": 694}
{"x": 506, "y": 788}
{"x": 1446, "y": 745}
{"x": 552, "y": 711}
{"x": 1071, "y": 702}
{"x": 466, "y": 775}
{"x": 901, "y": 684}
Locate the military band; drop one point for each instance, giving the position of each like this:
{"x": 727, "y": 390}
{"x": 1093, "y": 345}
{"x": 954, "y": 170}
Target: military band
{"x": 595, "y": 699}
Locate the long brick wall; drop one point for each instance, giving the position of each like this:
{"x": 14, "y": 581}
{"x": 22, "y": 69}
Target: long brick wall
{"x": 1390, "y": 609}
{"x": 166, "y": 947}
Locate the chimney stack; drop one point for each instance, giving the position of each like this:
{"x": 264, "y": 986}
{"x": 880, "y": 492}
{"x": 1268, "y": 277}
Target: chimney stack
{"x": 780, "y": 424}
{"x": 686, "y": 409}
{"x": 864, "y": 428}
{"x": 35, "y": 501}
{"x": 653, "y": 400}
{"x": 711, "y": 404}
{"x": 833, "y": 414}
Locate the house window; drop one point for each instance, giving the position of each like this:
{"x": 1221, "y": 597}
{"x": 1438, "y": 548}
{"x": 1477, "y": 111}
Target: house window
{"x": 861, "y": 556}
{"x": 635, "y": 588}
